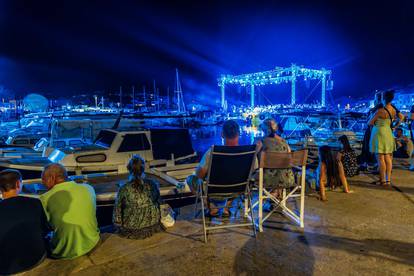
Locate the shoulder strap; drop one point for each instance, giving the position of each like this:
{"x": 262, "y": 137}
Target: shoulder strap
{"x": 389, "y": 114}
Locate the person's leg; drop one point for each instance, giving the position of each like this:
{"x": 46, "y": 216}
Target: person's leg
{"x": 212, "y": 207}
{"x": 381, "y": 168}
{"x": 388, "y": 164}
{"x": 226, "y": 209}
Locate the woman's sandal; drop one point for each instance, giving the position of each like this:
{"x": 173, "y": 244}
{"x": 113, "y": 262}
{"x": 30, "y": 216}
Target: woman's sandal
{"x": 384, "y": 183}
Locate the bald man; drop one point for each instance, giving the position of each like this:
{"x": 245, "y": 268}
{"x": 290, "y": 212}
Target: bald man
{"x": 71, "y": 211}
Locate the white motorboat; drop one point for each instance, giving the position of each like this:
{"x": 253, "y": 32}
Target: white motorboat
{"x": 111, "y": 151}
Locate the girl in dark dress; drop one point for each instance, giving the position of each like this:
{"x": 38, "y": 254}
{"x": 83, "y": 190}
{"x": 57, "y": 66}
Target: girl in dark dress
{"x": 348, "y": 157}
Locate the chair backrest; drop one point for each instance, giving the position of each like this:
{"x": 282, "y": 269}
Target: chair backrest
{"x": 283, "y": 160}
{"x": 230, "y": 169}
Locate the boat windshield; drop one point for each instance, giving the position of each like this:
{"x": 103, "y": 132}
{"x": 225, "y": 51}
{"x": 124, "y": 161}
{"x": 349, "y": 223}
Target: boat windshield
{"x": 105, "y": 138}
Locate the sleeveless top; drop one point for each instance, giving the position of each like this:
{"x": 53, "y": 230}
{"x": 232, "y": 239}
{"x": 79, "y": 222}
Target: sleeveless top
{"x": 382, "y": 140}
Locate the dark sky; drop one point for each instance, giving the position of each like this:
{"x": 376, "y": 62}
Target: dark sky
{"x": 67, "y": 47}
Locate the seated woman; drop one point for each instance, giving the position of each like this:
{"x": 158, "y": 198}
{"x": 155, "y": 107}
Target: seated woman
{"x": 137, "y": 208}
{"x": 348, "y": 157}
{"x": 330, "y": 172}
{"x": 275, "y": 180}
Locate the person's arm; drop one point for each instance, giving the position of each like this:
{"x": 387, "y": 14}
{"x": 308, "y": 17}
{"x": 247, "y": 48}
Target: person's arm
{"x": 342, "y": 176}
{"x": 373, "y": 118}
{"x": 117, "y": 214}
{"x": 401, "y": 119}
{"x": 201, "y": 172}
{"x": 339, "y": 156}
{"x": 46, "y": 228}
{"x": 202, "y": 169}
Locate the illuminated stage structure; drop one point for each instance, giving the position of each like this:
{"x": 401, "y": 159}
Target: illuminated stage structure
{"x": 277, "y": 76}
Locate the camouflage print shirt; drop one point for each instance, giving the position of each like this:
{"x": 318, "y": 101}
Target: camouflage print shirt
{"x": 137, "y": 209}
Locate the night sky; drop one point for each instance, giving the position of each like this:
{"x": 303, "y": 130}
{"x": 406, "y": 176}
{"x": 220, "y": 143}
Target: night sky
{"x": 68, "y": 47}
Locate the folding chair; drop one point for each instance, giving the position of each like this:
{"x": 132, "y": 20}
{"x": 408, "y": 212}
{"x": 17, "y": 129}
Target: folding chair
{"x": 229, "y": 173}
{"x": 283, "y": 160}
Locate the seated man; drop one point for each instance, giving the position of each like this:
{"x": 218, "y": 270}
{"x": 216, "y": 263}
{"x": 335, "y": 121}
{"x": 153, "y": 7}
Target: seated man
{"x": 404, "y": 145}
{"x": 23, "y": 227}
{"x": 230, "y": 133}
{"x": 71, "y": 211}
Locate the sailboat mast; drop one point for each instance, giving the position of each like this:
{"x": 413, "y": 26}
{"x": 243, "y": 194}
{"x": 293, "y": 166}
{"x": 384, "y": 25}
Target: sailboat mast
{"x": 120, "y": 96}
{"x": 133, "y": 97}
{"x": 179, "y": 92}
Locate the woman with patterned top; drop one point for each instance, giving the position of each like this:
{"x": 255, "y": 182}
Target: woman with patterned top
{"x": 348, "y": 157}
{"x": 275, "y": 179}
{"x": 137, "y": 208}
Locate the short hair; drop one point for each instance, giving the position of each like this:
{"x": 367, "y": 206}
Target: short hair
{"x": 136, "y": 165}
{"x": 388, "y": 96}
{"x": 231, "y": 129}
{"x": 269, "y": 127}
{"x": 8, "y": 179}
{"x": 56, "y": 169}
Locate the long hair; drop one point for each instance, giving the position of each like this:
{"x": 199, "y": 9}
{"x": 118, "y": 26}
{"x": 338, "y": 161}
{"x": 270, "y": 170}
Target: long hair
{"x": 326, "y": 156}
{"x": 136, "y": 168}
{"x": 345, "y": 143}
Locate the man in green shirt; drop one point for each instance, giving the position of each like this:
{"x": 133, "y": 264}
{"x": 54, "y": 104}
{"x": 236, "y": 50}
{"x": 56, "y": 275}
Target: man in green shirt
{"x": 71, "y": 212}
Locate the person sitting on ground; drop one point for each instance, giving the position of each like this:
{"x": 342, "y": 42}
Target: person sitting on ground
{"x": 404, "y": 144}
{"x": 275, "y": 180}
{"x": 330, "y": 172}
{"x": 23, "y": 227}
{"x": 137, "y": 208}
{"x": 348, "y": 157}
{"x": 230, "y": 133}
{"x": 71, "y": 211}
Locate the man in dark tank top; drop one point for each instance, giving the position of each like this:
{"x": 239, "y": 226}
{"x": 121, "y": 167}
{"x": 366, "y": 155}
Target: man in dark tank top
{"x": 23, "y": 227}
